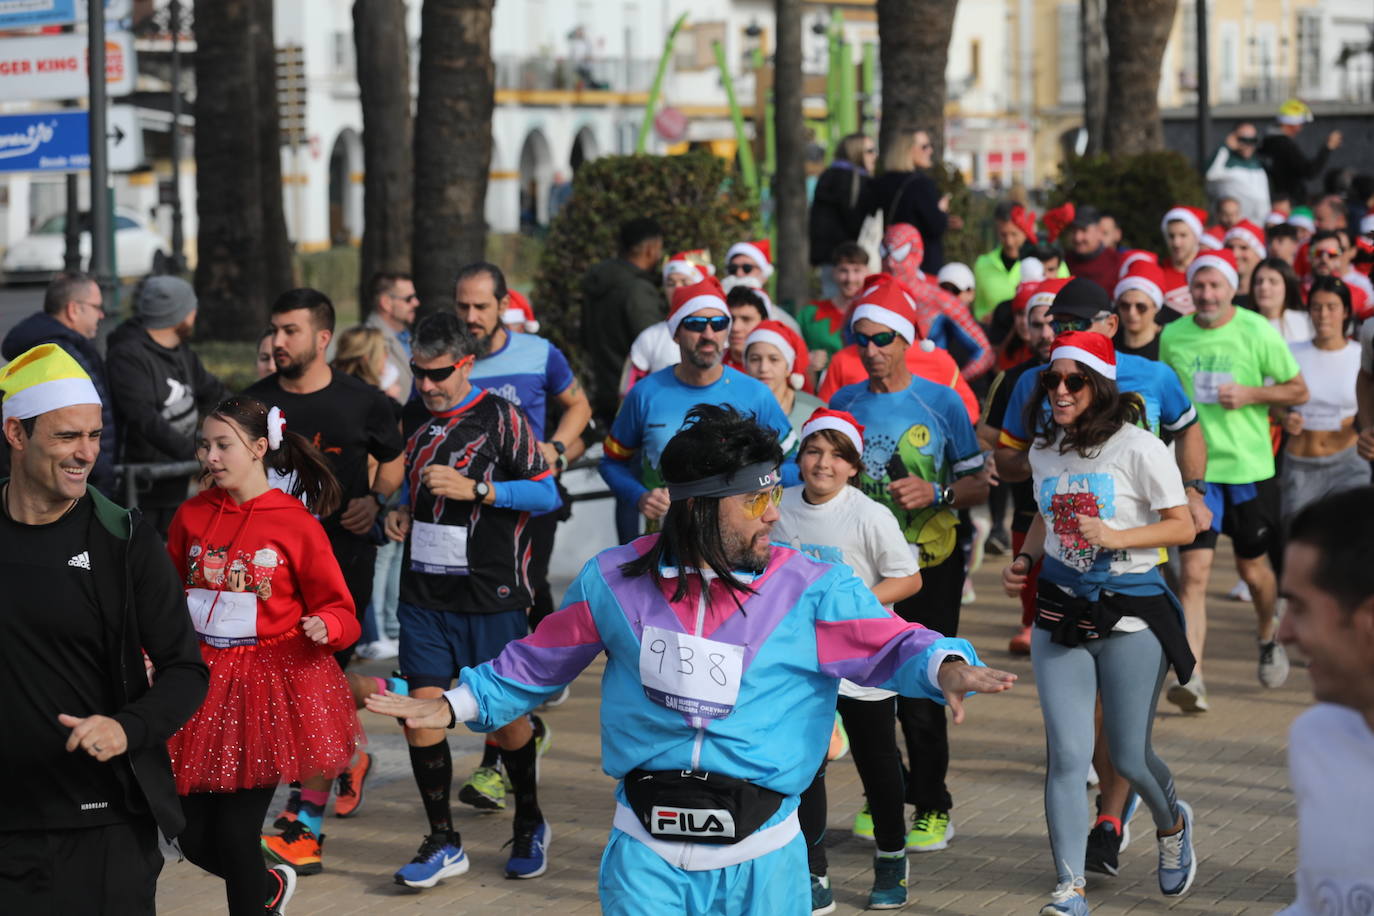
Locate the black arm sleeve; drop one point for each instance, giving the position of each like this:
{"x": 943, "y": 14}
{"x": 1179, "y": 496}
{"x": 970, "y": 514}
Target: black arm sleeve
{"x": 384, "y": 440}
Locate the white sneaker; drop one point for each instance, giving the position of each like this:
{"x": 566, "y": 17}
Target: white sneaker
{"x": 385, "y": 648}
{"x": 1273, "y": 664}
{"x": 1189, "y": 697}
{"x": 1241, "y": 592}
{"x": 365, "y": 650}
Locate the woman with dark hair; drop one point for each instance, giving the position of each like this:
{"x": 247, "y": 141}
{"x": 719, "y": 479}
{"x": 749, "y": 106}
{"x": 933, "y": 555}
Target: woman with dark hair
{"x": 1276, "y": 293}
{"x": 1109, "y": 496}
{"x": 1320, "y": 456}
{"x": 270, "y": 606}
{"x": 835, "y": 217}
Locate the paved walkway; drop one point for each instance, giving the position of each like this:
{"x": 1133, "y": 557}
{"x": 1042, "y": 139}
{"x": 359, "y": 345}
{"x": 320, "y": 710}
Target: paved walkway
{"x": 1229, "y": 763}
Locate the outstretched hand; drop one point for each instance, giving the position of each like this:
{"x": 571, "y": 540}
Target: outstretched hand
{"x": 418, "y": 712}
{"x": 958, "y": 678}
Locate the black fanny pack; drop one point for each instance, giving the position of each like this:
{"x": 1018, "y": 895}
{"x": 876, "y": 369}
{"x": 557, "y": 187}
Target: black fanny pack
{"x": 697, "y": 807}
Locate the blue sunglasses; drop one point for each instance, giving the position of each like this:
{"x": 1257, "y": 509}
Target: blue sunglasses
{"x": 698, "y": 323}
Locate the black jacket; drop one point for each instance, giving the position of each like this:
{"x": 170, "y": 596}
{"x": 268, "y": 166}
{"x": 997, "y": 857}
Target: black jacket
{"x": 618, "y": 301}
{"x": 41, "y": 328}
{"x": 1289, "y": 169}
{"x": 835, "y": 217}
{"x": 159, "y": 396}
{"x": 143, "y": 609}
{"x": 911, "y": 197}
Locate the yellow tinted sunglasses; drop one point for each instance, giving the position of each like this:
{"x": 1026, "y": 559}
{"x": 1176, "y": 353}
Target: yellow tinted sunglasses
{"x": 755, "y": 504}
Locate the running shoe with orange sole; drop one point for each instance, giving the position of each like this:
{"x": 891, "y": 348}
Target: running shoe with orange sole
{"x": 296, "y": 846}
{"x": 349, "y": 796}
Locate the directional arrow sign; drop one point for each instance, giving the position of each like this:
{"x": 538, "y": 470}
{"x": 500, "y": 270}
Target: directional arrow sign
{"x": 125, "y": 139}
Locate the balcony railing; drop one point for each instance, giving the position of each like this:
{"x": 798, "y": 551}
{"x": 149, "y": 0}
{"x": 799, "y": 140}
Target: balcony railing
{"x": 613, "y": 74}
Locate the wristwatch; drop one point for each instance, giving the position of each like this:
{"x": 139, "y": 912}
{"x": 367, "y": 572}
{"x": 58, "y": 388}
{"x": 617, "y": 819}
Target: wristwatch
{"x": 480, "y": 490}
{"x": 944, "y": 495}
{"x": 558, "y": 447}
{"x": 381, "y": 500}
{"x": 1199, "y": 485}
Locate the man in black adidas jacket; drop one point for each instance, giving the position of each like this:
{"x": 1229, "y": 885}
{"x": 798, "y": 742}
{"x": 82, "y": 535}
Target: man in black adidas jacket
{"x": 87, "y": 590}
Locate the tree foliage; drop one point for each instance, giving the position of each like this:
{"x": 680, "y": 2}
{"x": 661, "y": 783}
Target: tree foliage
{"x": 1136, "y": 189}
{"x": 691, "y": 196}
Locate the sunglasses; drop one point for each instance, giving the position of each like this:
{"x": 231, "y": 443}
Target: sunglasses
{"x": 440, "y": 374}
{"x": 1064, "y": 325}
{"x": 744, "y": 267}
{"x": 698, "y": 324}
{"x": 1074, "y": 381}
{"x": 1141, "y": 307}
{"x": 1248, "y": 139}
{"x": 881, "y": 339}
{"x": 755, "y": 504}
{"x": 411, "y": 298}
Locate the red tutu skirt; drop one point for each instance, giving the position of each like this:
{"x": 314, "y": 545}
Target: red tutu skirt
{"x": 278, "y": 711}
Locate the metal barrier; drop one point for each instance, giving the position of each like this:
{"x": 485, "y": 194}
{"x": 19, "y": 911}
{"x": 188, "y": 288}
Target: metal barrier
{"x": 132, "y": 475}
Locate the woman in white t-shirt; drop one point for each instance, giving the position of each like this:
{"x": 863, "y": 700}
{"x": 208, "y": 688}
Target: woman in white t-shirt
{"x": 834, "y": 522}
{"x": 1277, "y": 295}
{"x": 1321, "y": 456}
{"x": 1109, "y": 498}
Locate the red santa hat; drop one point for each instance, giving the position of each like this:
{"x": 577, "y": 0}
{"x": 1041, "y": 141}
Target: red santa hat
{"x": 759, "y": 251}
{"x": 695, "y": 265}
{"x": 1021, "y": 301}
{"x": 1058, "y": 219}
{"x": 883, "y": 300}
{"x": 1089, "y": 349}
{"x": 1222, "y": 260}
{"x": 1023, "y": 218}
{"x": 789, "y": 344}
{"x": 1248, "y": 233}
{"x": 1213, "y": 238}
{"x": 519, "y": 313}
{"x": 1044, "y": 293}
{"x": 841, "y": 422}
{"x": 1192, "y": 217}
{"x": 1275, "y": 218}
{"x": 1132, "y": 256}
{"x": 1144, "y": 276}
{"x": 690, "y": 299}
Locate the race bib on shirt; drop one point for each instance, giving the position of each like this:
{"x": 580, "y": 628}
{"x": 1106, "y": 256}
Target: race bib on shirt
{"x": 439, "y": 549}
{"x": 690, "y": 674}
{"x": 1207, "y": 386}
{"x": 223, "y": 618}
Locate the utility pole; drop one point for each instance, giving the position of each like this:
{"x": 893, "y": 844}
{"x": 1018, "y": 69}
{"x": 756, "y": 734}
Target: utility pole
{"x": 102, "y": 220}
{"x": 1204, "y": 89}
{"x": 178, "y": 239}
{"x": 71, "y": 225}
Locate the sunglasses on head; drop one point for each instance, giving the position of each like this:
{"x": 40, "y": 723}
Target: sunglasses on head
{"x": 755, "y": 504}
{"x": 1141, "y": 307}
{"x": 1074, "y": 381}
{"x": 742, "y": 267}
{"x": 881, "y": 339}
{"x": 440, "y": 374}
{"x": 698, "y": 324}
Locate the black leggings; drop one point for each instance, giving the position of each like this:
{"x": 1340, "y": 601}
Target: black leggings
{"x": 873, "y": 743}
{"x": 222, "y": 836}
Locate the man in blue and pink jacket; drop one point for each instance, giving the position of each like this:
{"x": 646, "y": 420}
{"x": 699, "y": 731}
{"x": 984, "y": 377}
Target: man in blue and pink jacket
{"x": 724, "y": 653}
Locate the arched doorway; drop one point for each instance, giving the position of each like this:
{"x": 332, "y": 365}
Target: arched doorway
{"x": 536, "y": 178}
{"x": 346, "y": 188}
{"x": 584, "y": 149}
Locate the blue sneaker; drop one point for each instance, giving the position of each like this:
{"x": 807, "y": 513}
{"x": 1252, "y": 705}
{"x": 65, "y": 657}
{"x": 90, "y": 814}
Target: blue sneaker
{"x": 1177, "y": 863}
{"x": 437, "y": 859}
{"x": 890, "y": 875}
{"x": 1067, "y": 901}
{"x": 529, "y": 855}
{"x": 822, "y": 899}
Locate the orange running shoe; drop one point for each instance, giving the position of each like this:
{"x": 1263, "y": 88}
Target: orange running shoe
{"x": 349, "y": 796}
{"x": 296, "y": 846}
{"x": 1020, "y": 643}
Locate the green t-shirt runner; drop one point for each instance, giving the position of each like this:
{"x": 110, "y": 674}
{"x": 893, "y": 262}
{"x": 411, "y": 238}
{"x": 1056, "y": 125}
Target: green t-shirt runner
{"x": 1245, "y": 350}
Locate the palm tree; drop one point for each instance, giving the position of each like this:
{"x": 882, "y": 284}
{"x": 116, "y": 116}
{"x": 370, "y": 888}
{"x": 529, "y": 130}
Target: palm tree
{"x": 913, "y": 42}
{"x": 452, "y": 142}
{"x": 1137, "y": 31}
{"x": 790, "y": 181}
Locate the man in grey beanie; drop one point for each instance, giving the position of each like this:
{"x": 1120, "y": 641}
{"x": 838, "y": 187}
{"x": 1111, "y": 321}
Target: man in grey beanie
{"x": 160, "y": 388}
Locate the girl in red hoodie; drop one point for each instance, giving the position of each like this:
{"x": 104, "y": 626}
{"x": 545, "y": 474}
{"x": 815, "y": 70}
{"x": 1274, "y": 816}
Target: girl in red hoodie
{"x": 270, "y": 605}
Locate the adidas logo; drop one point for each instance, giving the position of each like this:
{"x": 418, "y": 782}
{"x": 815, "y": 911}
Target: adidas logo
{"x": 81, "y": 561}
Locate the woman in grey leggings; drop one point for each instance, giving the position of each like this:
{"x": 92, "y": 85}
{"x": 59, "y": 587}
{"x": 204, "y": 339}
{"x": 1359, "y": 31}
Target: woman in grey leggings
{"x": 1109, "y": 497}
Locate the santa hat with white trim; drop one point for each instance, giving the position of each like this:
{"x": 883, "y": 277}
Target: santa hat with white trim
{"x": 1222, "y": 261}
{"x": 43, "y": 379}
{"x": 1248, "y": 233}
{"x": 520, "y": 313}
{"x": 1192, "y": 217}
{"x": 1213, "y": 238}
{"x": 690, "y": 299}
{"x": 1133, "y": 256}
{"x": 838, "y": 420}
{"x": 789, "y": 344}
{"x": 695, "y": 265}
{"x": 1089, "y": 349}
{"x": 1144, "y": 276}
{"x": 1367, "y": 223}
{"x": 1046, "y": 292}
{"x": 759, "y": 251}
{"x": 883, "y": 300}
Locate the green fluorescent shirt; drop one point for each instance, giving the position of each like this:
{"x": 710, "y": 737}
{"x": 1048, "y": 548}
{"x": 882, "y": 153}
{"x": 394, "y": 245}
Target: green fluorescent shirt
{"x": 1246, "y": 351}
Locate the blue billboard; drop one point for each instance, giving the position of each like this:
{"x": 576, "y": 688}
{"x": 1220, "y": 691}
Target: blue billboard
{"x": 21, "y": 14}
{"x": 52, "y": 141}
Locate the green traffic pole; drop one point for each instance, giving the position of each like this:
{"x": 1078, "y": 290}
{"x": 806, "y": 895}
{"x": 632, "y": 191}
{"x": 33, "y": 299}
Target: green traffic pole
{"x": 849, "y": 102}
{"x": 832, "y": 79}
{"x": 657, "y": 88}
{"x": 869, "y": 78}
{"x": 748, "y": 171}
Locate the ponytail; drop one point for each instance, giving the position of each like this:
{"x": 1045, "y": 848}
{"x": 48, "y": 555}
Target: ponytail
{"x": 314, "y": 482}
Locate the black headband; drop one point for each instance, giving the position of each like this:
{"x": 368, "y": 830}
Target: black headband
{"x": 747, "y": 479}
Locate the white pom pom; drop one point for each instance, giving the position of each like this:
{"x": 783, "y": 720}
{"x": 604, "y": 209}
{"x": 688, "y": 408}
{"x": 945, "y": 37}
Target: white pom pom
{"x": 797, "y": 380}
{"x": 927, "y": 345}
{"x": 276, "y": 425}
{"x": 531, "y": 327}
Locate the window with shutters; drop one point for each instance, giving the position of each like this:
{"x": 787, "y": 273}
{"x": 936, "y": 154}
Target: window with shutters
{"x": 1309, "y": 53}
{"x": 1070, "y": 57}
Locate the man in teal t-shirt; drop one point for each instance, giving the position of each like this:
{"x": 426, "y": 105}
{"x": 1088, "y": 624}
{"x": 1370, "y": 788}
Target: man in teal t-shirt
{"x": 1235, "y": 367}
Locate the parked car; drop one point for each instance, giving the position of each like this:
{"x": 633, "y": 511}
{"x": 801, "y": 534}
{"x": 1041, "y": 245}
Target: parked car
{"x": 41, "y": 254}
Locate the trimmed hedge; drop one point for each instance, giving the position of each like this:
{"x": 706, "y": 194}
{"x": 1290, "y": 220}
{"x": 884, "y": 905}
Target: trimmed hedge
{"x": 691, "y": 196}
{"x": 1138, "y": 190}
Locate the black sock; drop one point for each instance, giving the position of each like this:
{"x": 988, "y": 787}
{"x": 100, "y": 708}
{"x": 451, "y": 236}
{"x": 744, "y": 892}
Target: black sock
{"x": 491, "y": 753}
{"x": 433, "y": 769}
{"x": 520, "y": 767}
{"x": 293, "y": 800}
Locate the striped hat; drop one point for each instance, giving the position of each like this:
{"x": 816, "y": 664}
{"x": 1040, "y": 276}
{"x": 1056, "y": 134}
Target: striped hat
{"x": 43, "y": 379}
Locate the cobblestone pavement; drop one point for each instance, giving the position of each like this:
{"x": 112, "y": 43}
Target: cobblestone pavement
{"x": 1229, "y": 763}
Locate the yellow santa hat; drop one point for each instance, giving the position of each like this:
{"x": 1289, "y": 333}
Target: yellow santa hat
{"x": 44, "y": 378}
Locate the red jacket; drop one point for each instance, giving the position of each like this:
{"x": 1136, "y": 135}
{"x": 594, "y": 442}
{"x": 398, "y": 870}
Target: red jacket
{"x": 270, "y": 545}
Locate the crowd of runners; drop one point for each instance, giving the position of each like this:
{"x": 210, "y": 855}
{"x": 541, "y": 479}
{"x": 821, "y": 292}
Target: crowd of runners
{"x": 795, "y": 526}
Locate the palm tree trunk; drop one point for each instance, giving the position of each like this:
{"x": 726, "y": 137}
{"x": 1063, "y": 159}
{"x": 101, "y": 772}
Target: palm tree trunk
{"x": 383, "y": 55}
{"x": 794, "y": 266}
{"x": 913, "y": 42}
{"x": 275, "y": 274}
{"x": 1137, "y": 31}
{"x": 1093, "y": 43}
{"x": 452, "y": 142}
